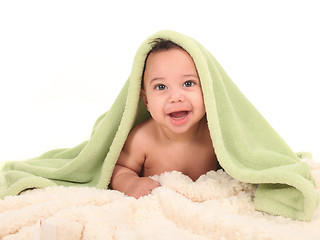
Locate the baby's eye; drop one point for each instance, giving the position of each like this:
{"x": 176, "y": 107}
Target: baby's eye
{"x": 160, "y": 87}
{"x": 188, "y": 84}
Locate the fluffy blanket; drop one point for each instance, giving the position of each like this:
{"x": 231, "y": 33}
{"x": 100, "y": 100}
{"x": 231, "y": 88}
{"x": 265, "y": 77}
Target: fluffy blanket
{"x": 214, "y": 207}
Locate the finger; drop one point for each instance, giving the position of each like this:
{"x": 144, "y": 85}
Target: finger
{"x": 156, "y": 183}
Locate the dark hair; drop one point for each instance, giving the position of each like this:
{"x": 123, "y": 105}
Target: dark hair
{"x": 159, "y": 45}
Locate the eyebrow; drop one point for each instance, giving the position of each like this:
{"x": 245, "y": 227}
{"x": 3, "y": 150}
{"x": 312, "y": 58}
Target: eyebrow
{"x": 155, "y": 79}
{"x": 185, "y": 75}
{"x": 190, "y": 75}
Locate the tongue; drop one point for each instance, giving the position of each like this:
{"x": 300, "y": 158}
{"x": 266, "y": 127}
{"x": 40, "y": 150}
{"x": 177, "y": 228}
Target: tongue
{"x": 181, "y": 114}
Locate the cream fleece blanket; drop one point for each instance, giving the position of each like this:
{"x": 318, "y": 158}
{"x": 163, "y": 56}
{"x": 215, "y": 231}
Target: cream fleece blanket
{"x": 215, "y": 207}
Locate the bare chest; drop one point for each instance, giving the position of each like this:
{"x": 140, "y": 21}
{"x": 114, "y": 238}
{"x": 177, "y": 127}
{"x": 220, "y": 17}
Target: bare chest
{"x": 192, "y": 160}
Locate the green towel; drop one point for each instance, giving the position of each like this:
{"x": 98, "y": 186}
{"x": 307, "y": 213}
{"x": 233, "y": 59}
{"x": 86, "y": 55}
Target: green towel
{"x": 247, "y": 147}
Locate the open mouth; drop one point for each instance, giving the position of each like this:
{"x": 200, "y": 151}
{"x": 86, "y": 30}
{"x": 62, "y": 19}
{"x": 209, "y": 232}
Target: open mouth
{"x": 179, "y": 115}
{"x": 179, "y": 118}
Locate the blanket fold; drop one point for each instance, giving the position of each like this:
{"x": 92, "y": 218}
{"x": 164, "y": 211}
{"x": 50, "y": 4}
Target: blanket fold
{"x": 247, "y": 147}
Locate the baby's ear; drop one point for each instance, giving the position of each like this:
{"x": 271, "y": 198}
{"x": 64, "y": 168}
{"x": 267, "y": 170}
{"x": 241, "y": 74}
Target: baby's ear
{"x": 144, "y": 97}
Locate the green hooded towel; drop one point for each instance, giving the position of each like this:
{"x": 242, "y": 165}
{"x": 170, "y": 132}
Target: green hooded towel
{"x": 247, "y": 147}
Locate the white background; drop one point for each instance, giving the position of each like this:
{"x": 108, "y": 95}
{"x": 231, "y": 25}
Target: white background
{"x": 62, "y": 63}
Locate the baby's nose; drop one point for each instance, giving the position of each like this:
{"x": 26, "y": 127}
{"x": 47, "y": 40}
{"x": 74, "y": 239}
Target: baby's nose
{"x": 176, "y": 96}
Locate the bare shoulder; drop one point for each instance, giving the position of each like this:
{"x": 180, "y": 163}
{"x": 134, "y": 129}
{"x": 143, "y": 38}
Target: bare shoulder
{"x": 133, "y": 153}
{"x": 141, "y": 134}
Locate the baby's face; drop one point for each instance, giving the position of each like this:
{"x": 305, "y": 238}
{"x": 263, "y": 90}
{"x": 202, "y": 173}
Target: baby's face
{"x": 172, "y": 92}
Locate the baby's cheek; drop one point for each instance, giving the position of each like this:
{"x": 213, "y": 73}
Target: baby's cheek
{"x": 155, "y": 106}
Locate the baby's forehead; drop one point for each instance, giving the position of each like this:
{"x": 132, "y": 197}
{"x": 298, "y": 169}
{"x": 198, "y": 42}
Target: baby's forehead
{"x": 161, "y": 66}
{"x": 175, "y": 54}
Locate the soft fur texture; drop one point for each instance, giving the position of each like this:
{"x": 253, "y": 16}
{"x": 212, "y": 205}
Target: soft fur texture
{"x": 215, "y": 207}
{"x": 247, "y": 147}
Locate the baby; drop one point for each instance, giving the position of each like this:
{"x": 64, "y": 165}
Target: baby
{"x": 176, "y": 137}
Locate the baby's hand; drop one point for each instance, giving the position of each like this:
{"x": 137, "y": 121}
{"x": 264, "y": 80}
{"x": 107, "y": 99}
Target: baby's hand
{"x": 142, "y": 186}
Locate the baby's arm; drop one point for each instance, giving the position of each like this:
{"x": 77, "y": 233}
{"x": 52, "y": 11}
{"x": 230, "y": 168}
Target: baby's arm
{"x": 125, "y": 177}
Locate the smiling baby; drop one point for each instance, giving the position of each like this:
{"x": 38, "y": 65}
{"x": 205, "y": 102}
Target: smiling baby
{"x": 176, "y": 137}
